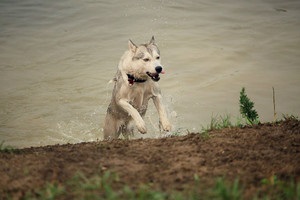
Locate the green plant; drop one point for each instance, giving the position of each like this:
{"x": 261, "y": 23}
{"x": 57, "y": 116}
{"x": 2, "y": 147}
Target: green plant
{"x": 7, "y": 149}
{"x": 145, "y": 192}
{"x": 227, "y": 192}
{"x": 179, "y": 132}
{"x": 217, "y": 122}
{"x": 95, "y": 186}
{"x": 287, "y": 117}
{"x": 51, "y": 191}
{"x": 273, "y": 188}
{"x": 239, "y": 122}
{"x": 247, "y": 108}
{"x": 195, "y": 192}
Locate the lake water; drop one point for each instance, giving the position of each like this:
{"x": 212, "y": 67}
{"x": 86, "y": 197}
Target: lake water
{"x": 57, "y": 58}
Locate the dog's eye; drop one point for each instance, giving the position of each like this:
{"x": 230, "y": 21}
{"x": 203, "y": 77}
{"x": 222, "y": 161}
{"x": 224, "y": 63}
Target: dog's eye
{"x": 146, "y": 59}
{"x": 157, "y": 58}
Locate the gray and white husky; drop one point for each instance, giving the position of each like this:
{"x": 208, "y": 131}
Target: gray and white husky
{"x": 135, "y": 84}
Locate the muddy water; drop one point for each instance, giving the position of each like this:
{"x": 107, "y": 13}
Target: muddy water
{"x": 57, "y": 57}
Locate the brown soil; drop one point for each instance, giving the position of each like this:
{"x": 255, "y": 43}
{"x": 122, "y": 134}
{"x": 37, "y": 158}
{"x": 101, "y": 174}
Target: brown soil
{"x": 168, "y": 164}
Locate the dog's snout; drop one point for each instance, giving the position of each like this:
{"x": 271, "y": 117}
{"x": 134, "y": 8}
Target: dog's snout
{"x": 158, "y": 69}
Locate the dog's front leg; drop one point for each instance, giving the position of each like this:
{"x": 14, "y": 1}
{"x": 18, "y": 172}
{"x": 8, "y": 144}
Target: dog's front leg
{"x": 163, "y": 119}
{"x": 134, "y": 114}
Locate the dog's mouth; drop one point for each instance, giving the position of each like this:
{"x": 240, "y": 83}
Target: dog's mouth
{"x": 154, "y": 76}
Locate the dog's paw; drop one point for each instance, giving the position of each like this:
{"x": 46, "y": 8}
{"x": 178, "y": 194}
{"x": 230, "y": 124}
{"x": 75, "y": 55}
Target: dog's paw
{"x": 141, "y": 126}
{"x": 166, "y": 126}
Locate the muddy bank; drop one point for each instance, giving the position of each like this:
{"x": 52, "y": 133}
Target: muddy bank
{"x": 169, "y": 164}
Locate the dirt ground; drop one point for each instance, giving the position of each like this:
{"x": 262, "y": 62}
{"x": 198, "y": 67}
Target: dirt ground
{"x": 167, "y": 164}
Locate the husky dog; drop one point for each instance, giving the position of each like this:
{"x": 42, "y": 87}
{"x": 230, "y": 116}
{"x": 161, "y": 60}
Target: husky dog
{"x": 135, "y": 83}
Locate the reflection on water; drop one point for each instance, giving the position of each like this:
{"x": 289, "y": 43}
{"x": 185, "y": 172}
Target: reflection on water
{"x": 57, "y": 57}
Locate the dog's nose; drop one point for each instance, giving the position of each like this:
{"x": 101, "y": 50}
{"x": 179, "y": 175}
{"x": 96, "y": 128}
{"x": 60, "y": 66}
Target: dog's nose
{"x": 158, "y": 69}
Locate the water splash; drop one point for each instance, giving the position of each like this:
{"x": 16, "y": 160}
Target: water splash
{"x": 84, "y": 128}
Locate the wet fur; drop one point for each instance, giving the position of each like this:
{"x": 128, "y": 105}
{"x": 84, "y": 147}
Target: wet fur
{"x": 130, "y": 101}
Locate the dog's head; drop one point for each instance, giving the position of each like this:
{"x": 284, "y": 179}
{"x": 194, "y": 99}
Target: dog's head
{"x": 145, "y": 61}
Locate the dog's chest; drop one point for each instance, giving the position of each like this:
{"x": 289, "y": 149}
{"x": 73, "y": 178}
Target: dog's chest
{"x": 139, "y": 96}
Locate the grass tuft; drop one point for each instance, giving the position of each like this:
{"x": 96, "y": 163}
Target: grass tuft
{"x": 7, "y": 149}
{"x": 108, "y": 186}
{"x": 273, "y": 188}
{"x": 227, "y": 191}
{"x": 217, "y": 122}
{"x": 50, "y": 191}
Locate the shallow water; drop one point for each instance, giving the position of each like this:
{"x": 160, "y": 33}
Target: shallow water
{"x": 57, "y": 57}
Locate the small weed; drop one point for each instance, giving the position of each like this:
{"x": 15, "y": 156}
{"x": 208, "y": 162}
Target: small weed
{"x": 195, "y": 192}
{"x": 50, "y": 192}
{"x": 247, "y": 108}
{"x": 273, "y": 188}
{"x": 90, "y": 188}
{"x": 239, "y": 122}
{"x": 270, "y": 181}
{"x": 7, "y": 149}
{"x": 287, "y": 117}
{"x": 227, "y": 192}
{"x": 217, "y": 122}
{"x": 179, "y": 132}
{"x": 145, "y": 192}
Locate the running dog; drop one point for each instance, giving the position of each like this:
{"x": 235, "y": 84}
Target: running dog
{"x": 135, "y": 84}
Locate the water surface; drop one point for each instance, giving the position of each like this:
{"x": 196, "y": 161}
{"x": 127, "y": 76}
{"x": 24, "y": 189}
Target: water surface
{"x": 57, "y": 58}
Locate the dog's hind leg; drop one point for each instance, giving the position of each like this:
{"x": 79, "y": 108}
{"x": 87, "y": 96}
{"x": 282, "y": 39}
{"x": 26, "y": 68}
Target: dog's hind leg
{"x": 128, "y": 129}
{"x": 111, "y": 127}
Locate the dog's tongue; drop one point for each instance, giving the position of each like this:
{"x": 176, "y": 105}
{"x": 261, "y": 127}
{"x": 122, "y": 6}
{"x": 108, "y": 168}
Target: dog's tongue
{"x": 162, "y": 72}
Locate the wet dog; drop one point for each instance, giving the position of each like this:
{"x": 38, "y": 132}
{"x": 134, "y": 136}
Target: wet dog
{"x": 135, "y": 84}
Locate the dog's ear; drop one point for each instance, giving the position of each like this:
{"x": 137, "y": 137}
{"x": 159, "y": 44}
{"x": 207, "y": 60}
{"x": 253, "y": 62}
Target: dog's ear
{"x": 132, "y": 46}
{"x": 152, "y": 41}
